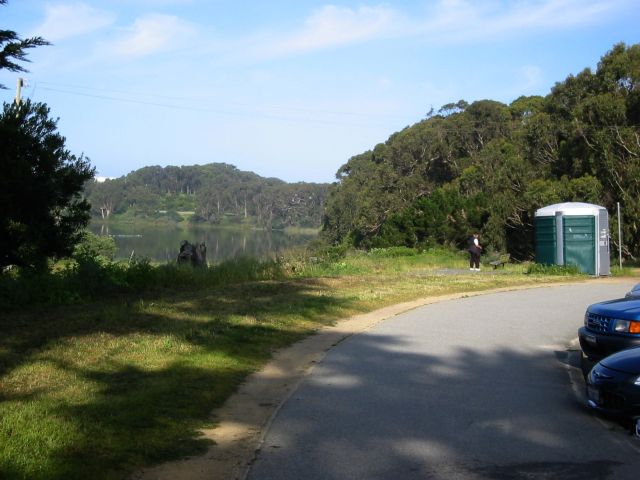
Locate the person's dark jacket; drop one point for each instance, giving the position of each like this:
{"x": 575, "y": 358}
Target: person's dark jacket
{"x": 472, "y": 247}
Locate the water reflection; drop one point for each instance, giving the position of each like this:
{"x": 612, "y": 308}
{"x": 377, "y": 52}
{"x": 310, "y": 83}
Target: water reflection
{"x": 162, "y": 243}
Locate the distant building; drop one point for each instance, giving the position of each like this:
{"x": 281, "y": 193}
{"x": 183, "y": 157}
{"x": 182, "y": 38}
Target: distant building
{"x": 102, "y": 179}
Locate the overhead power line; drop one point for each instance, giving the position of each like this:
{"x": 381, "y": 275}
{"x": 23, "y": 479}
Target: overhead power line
{"x": 283, "y": 112}
{"x": 291, "y": 113}
{"x": 78, "y": 89}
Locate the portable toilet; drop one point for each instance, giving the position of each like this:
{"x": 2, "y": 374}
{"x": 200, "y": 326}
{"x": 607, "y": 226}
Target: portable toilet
{"x": 573, "y": 233}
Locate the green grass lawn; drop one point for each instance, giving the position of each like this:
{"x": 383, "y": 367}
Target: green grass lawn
{"x": 99, "y": 389}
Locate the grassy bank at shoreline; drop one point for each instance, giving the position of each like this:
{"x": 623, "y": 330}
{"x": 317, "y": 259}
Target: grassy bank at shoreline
{"x": 99, "y": 389}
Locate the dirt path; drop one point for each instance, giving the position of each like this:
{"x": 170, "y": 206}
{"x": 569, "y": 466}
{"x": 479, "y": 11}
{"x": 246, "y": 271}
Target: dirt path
{"x": 245, "y": 417}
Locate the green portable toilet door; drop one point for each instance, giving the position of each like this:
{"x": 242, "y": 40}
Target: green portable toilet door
{"x": 580, "y": 242}
{"x": 546, "y": 240}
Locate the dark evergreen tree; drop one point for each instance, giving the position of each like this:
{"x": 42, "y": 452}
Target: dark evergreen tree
{"x": 41, "y": 212}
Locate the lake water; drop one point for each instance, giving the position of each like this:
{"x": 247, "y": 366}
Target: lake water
{"x": 162, "y": 243}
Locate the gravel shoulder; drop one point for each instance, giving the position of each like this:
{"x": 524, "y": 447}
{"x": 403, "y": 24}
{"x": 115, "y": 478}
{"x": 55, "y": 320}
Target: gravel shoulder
{"x": 245, "y": 418}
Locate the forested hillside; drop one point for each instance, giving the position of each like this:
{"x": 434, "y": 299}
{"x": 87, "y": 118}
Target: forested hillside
{"x": 215, "y": 192}
{"x": 488, "y": 166}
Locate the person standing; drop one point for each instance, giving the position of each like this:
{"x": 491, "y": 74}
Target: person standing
{"x": 475, "y": 250}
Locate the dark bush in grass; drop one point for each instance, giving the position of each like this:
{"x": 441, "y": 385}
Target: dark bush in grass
{"x": 24, "y": 287}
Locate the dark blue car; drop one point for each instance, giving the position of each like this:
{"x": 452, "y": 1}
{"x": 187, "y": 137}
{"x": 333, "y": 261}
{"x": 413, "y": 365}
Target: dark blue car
{"x": 613, "y": 385}
{"x": 611, "y": 326}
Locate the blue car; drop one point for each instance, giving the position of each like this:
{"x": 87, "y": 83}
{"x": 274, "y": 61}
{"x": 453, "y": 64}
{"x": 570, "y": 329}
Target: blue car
{"x": 613, "y": 385}
{"x": 634, "y": 292}
{"x": 611, "y": 326}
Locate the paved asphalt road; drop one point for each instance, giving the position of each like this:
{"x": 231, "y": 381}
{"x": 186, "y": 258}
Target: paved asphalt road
{"x": 476, "y": 388}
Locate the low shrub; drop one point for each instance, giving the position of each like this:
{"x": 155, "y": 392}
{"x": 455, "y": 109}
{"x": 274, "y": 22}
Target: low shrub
{"x": 562, "y": 270}
{"x": 94, "y": 246}
{"x": 393, "y": 252}
{"x": 616, "y": 271}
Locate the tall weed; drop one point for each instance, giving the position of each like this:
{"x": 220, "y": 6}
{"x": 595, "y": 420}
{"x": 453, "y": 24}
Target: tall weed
{"x": 393, "y": 252}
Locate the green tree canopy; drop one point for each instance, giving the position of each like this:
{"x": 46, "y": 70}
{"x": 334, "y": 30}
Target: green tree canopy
{"x": 487, "y": 166}
{"x": 214, "y": 191}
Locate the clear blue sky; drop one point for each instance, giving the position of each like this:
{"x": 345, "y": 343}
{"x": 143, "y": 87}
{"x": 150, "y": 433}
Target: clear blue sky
{"x": 289, "y": 89}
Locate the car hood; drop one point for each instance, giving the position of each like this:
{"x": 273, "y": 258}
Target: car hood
{"x": 628, "y": 308}
{"x": 627, "y": 361}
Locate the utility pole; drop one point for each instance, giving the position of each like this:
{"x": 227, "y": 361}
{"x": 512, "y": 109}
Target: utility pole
{"x": 19, "y": 90}
{"x": 619, "y": 236}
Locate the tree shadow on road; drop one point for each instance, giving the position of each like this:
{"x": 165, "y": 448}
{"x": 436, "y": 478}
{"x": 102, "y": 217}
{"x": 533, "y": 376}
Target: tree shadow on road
{"x": 395, "y": 413}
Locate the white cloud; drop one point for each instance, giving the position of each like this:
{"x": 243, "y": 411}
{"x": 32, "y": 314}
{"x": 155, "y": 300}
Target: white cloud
{"x": 152, "y": 3}
{"x": 558, "y": 13}
{"x": 461, "y": 21}
{"x": 73, "y": 19}
{"x": 333, "y": 26}
{"x": 151, "y": 34}
{"x": 446, "y": 21}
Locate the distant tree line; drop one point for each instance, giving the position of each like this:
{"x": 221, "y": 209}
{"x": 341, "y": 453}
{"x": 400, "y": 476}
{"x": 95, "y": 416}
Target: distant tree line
{"x": 488, "y": 166}
{"x": 215, "y": 192}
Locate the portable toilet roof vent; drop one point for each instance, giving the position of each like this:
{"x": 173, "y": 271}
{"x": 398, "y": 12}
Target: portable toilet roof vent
{"x": 569, "y": 208}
